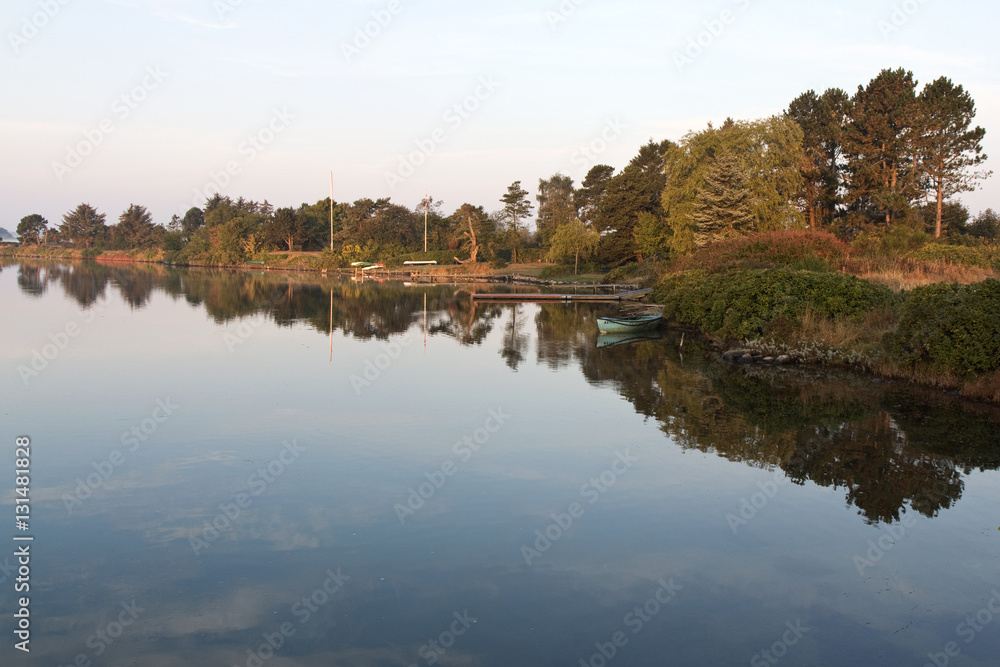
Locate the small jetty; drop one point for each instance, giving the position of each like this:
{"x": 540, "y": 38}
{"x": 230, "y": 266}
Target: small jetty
{"x": 527, "y": 297}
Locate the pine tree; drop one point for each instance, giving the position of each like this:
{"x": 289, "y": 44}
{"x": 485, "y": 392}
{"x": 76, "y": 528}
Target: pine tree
{"x": 949, "y": 148}
{"x": 555, "y": 205}
{"x": 724, "y": 206}
{"x": 822, "y": 121}
{"x": 83, "y": 226}
{"x": 881, "y": 143}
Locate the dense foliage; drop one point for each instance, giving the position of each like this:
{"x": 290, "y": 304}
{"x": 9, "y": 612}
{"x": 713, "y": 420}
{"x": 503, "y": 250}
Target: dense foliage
{"x": 741, "y": 304}
{"x": 950, "y": 327}
{"x": 795, "y": 249}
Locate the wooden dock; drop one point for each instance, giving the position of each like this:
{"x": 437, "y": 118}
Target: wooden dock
{"x": 548, "y": 298}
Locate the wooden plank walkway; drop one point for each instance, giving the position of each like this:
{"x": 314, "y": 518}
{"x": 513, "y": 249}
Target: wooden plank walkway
{"x": 624, "y": 296}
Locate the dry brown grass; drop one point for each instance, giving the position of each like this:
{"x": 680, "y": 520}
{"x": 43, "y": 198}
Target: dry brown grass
{"x": 846, "y": 334}
{"x": 904, "y": 274}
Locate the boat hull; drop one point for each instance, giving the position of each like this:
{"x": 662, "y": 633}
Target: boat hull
{"x": 626, "y": 324}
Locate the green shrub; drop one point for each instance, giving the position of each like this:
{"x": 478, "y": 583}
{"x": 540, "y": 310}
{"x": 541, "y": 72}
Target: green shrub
{"x": 741, "y": 304}
{"x": 982, "y": 256}
{"x": 812, "y": 251}
{"x": 950, "y": 327}
{"x": 892, "y": 242}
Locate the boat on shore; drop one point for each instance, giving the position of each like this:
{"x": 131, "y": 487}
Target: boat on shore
{"x": 643, "y": 322}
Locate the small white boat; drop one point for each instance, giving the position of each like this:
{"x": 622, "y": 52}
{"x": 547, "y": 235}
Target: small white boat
{"x": 632, "y": 323}
{"x": 420, "y": 262}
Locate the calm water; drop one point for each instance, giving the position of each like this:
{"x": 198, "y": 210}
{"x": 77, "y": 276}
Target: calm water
{"x": 216, "y": 479}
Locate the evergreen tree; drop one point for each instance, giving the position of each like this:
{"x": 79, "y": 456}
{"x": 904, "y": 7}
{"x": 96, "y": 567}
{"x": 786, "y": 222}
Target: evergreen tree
{"x": 637, "y": 189}
{"x": 723, "y": 207}
{"x": 516, "y": 207}
{"x": 32, "y": 227}
{"x": 135, "y": 229}
{"x": 83, "y": 226}
{"x": 822, "y": 121}
{"x": 555, "y": 206}
{"x": 881, "y": 142}
{"x": 591, "y": 190}
{"x": 949, "y": 145}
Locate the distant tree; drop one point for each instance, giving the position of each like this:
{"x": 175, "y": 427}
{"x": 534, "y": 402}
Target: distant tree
{"x": 573, "y": 239}
{"x": 193, "y": 220}
{"x": 176, "y": 224}
{"x": 555, "y": 206}
{"x": 637, "y": 189}
{"x": 822, "y": 121}
{"x": 32, "y": 227}
{"x": 286, "y": 227}
{"x": 591, "y": 190}
{"x": 83, "y": 226}
{"x": 986, "y": 225}
{"x": 516, "y": 207}
{"x": 135, "y": 228}
{"x": 949, "y": 146}
{"x": 474, "y": 229}
{"x": 954, "y": 219}
{"x": 880, "y": 144}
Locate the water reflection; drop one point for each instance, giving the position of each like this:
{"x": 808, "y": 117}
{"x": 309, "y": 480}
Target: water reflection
{"x": 888, "y": 447}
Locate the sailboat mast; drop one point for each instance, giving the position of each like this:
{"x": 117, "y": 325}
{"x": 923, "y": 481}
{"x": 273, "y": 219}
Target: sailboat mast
{"x": 425, "y": 222}
{"x": 331, "y": 211}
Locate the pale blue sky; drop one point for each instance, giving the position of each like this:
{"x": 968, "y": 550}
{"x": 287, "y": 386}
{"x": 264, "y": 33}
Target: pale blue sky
{"x": 551, "y": 78}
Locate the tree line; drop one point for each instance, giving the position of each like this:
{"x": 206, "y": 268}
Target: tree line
{"x": 887, "y": 154}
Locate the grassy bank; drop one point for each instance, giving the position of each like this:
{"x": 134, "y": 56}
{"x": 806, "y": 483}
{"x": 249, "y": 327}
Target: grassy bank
{"x": 926, "y": 314}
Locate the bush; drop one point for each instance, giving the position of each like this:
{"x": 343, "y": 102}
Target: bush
{"x": 950, "y": 327}
{"x": 746, "y": 303}
{"x": 895, "y": 241}
{"x": 812, "y": 251}
{"x": 983, "y": 256}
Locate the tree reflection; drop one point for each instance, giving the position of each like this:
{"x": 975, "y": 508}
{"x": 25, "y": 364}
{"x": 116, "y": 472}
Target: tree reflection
{"x": 889, "y": 447}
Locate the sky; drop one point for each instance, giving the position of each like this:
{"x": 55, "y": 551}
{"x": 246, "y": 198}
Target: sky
{"x": 162, "y": 103}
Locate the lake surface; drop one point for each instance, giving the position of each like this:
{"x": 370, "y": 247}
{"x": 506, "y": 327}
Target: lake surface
{"x": 287, "y": 469}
